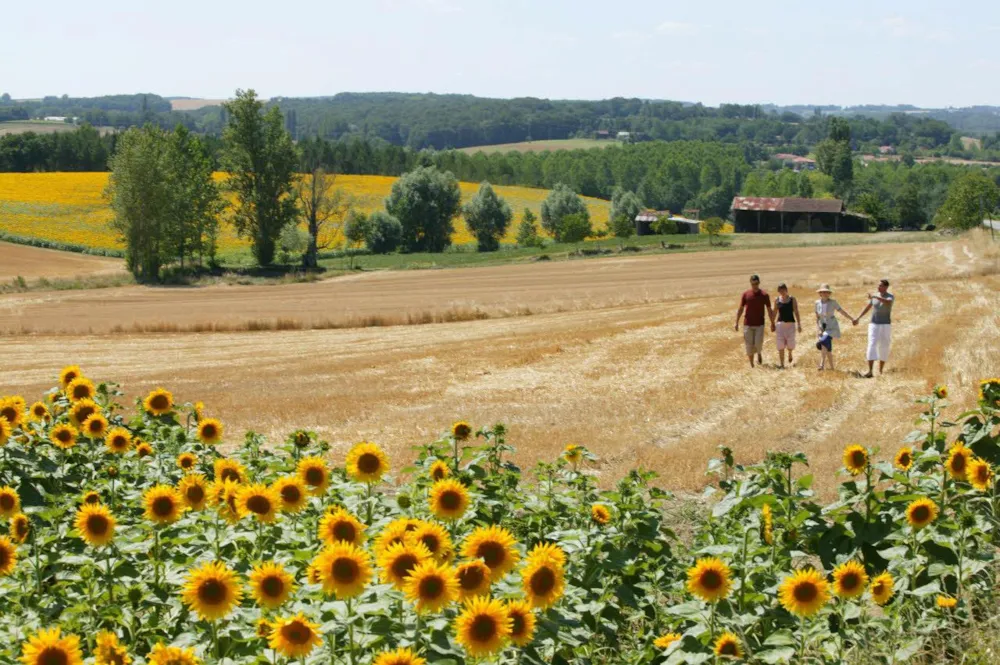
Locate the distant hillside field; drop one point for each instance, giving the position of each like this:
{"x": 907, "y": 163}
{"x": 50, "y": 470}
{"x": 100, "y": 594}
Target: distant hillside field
{"x": 39, "y": 127}
{"x": 541, "y": 146}
{"x": 193, "y": 104}
{"x": 69, "y": 207}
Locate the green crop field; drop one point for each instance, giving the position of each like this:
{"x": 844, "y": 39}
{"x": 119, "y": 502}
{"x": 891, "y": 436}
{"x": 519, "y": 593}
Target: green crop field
{"x": 540, "y": 146}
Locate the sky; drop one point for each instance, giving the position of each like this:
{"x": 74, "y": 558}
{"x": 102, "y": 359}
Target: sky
{"x": 922, "y": 52}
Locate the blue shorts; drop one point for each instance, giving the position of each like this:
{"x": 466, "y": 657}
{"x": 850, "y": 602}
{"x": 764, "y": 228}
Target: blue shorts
{"x": 825, "y": 343}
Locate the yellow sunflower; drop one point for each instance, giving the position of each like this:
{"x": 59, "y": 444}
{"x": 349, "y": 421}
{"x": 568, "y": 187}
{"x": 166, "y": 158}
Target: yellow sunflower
{"x": 543, "y": 582}
{"x": 95, "y": 426}
{"x": 20, "y": 527}
{"x": 921, "y": 512}
{"x": 39, "y": 412}
{"x": 728, "y": 646}
{"x": 81, "y": 410}
{"x": 6, "y": 429}
{"x": 448, "y": 499}
{"x": 51, "y": 647}
{"x": 271, "y": 585}
{"x": 212, "y": 590}
{"x": 946, "y": 602}
{"x": 63, "y": 436}
{"x": 92, "y": 497}
{"x": 210, "y": 431}
{"x": 341, "y": 526}
{"x": 431, "y": 586}
{"x": 435, "y": 538}
{"x": 709, "y": 579}
{"x": 118, "y": 440}
{"x": 439, "y": 471}
{"x": 904, "y": 458}
{"x": 229, "y": 470}
{"x": 10, "y": 502}
{"x": 804, "y": 593}
{"x": 849, "y": 579}
{"x": 855, "y": 459}
{"x": 313, "y": 472}
{"x": 495, "y": 546}
{"x": 573, "y": 453}
{"x": 548, "y": 552}
{"x": 766, "y": 524}
{"x": 663, "y": 641}
{"x": 109, "y": 651}
{"x": 958, "y": 461}
{"x": 599, "y": 514}
{"x": 292, "y": 492}
{"x": 941, "y": 391}
{"x": 399, "y": 656}
{"x": 980, "y": 474}
{"x": 8, "y": 556}
{"x": 522, "y": 618}
{"x": 158, "y": 402}
{"x": 193, "y": 489}
{"x": 223, "y": 495}
{"x": 394, "y": 532}
{"x": 483, "y": 626}
{"x": 367, "y": 463}
{"x": 164, "y": 655}
{"x": 96, "y": 524}
{"x": 263, "y": 628}
{"x": 473, "y": 579}
{"x": 12, "y": 408}
{"x": 163, "y": 504}
{"x": 882, "y": 588}
{"x": 258, "y": 500}
{"x": 295, "y": 636}
{"x": 143, "y": 449}
{"x": 396, "y": 562}
{"x": 461, "y": 430}
{"x": 343, "y": 569}
{"x": 80, "y": 388}
{"x": 67, "y": 375}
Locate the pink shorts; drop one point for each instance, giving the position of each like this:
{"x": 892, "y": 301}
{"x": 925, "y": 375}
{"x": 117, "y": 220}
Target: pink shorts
{"x": 784, "y": 335}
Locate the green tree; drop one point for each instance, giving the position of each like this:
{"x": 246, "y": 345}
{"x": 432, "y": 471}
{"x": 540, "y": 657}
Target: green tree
{"x": 805, "y": 186}
{"x": 383, "y": 233}
{"x": 425, "y": 201}
{"x": 261, "y": 159}
{"x": 562, "y": 202}
{"x": 713, "y": 227}
{"x": 623, "y": 227}
{"x": 356, "y": 230}
{"x": 625, "y": 203}
{"x": 842, "y": 170}
{"x": 910, "y": 212}
{"x": 196, "y": 201}
{"x": 527, "y": 230}
{"x": 574, "y": 228}
{"x": 665, "y": 226}
{"x": 873, "y": 205}
{"x": 971, "y": 197}
{"x": 487, "y": 216}
{"x": 325, "y": 209}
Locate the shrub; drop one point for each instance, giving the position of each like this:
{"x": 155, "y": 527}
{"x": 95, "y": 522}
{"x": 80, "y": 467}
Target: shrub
{"x": 383, "y": 233}
{"x": 574, "y": 228}
{"x": 292, "y": 243}
{"x": 527, "y": 231}
{"x": 559, "y": 204}
{"x": 665, "y": 226}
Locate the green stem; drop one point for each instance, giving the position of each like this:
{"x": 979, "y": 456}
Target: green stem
{"x": 215, "y": 639}
{"x": 416, "y": 634}
{"x": 802, "y": 639}
{"x": 350, "y": 629}
{"x": 711, "y": 623}
{"x": 743, "y": 568}
{"x": 156, "y": 556}
{"x": 110, "y": 582}
{"x": 368, "y": 504}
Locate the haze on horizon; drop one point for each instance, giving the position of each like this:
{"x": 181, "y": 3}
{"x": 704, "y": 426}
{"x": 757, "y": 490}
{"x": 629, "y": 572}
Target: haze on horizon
{"x": 876, "y": 52}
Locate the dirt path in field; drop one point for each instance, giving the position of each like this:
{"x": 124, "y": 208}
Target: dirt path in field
{"x": 660, "y": 382}
{"x": 34, "y": 262}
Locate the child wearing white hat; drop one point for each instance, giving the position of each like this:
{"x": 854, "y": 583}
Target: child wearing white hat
{"x": 826, "y": 322}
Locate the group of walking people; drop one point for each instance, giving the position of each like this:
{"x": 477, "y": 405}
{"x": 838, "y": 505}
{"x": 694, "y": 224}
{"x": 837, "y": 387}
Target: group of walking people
{"x": 785, "y": 321}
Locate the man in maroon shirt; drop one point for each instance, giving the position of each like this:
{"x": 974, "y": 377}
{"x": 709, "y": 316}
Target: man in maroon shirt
{"x": 754, "y": 301}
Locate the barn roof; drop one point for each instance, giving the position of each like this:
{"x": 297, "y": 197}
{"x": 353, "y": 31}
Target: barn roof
{"x": 651, "y": 215}
{"x": 770, "y": 204}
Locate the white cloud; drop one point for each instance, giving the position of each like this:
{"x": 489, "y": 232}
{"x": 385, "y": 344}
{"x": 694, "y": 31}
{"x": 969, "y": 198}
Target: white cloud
{"x": 677, "y": 28}
{"x": 901, "y": 27}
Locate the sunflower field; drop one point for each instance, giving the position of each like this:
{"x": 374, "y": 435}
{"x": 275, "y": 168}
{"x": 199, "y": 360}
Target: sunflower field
{"x": 142, "y": 534}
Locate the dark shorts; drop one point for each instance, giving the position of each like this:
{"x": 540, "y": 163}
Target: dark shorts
{"x": 825, "y": 344}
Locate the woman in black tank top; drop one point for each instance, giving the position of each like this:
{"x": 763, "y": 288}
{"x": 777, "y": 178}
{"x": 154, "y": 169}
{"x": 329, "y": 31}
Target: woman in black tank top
{"x": 786, "y": 310}
{"x": 787, "y": 324}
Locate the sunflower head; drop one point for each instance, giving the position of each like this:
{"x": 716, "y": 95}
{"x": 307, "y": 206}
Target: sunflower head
{"x": 81, "y": 410}
{"x": 258, "y": 500}
{"x": 849, "y": 579}
{"x": 401, "y": 656}
{"x": 946, "y": 602}
{"x": 163, "y": 504}
{"x": 398, "y": 561}
{"x": 921, "y": 512}
{"x": 63, "y": 436}
{"x": 522, "y": 622}
{"x": 143, "y": 449}
{"x": 80, "y": 388}
{"x": 194, "y": 491}
{"x": 766, "y": 524}
{"x": 292, "y": 493}
{"x": 118, "y": 440}
{"x": 263, "y": 628}
{"x": 473, "y": 579}
{"x": 980, "y": 474}
{"x": 212, "y": 590}
{"x": 96, "y": 524}
{"x": 483, "y": 626}
{"x": 229, "y": 470}
{"x": 461, "y": 430}
{"x": 855, "y": 459}
{"x": 663, "y": 641}
{"x": 431, "y": 586}
{"x": 599, "y": 514}
{"x": 222, "y": 494}
{"x": 573, "y": 453}
{"x": 313, "y": 472}
{"x": 439, "y": 471}
{"x": 10, "y": 501}
{"x": 958, "y": 461}
{"x": 435, "y": 538}
{"x": 448, "y": 499}
{"x": 210, "y": 431}
{"x": 68, "y": 374}
{"x": 20, "y": 527}
{"x": 709, "y": 579}
{"x": 271, "y": 585}
{"x": 158, "y": 402}
{"x": 109, "y": 651}
{"x": 904, "y": 459}
{"x": 367, "y": 463}
{"x": 881, "y": 588}
{"x": 12, "y": 409}
{"x": 8, "y": 556}
{"x": 543, "y": 582}
{"x": 39, "y": 412}
{"x": 343, "y": 569}
{"x": 187, "y": 461}
{"x": 941, "y": 391}
{"x": 728, "y": 646}
{"x": 164, "y": 655}
{"x": 341, "y": 526}
{"x": 51, "y": 647}
{"x": 495, "y": 546}
{"x": 394, "y": 532}
{"x": 91, "y": 498}
{"x": 548, "y": 552}
{"x": 6, "y": 429}
{"x": 95, "y": 426}
{"x": 295, "y": 636}
{"x": 301, "y": 438}
{"x": 804, "y": 593}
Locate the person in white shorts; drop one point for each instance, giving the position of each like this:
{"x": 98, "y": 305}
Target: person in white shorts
{"x": 880, "y": 327}
{"x": 788, "y": 321}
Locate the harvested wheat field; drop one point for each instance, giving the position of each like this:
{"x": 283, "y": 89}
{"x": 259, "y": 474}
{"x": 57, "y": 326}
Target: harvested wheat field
{"x": 34, "y": 262}
{"x": 634, "y": 357}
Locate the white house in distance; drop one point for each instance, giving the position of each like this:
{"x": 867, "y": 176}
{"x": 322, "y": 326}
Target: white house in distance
{"x": 646, "y": 218}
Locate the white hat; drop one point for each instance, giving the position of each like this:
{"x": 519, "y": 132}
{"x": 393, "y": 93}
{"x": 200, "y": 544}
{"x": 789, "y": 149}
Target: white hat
{"x": 824, "y": 288}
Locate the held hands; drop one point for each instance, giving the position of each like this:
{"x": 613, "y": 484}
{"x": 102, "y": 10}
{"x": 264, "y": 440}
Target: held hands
{"x": 854, "y": 321}
{"x": 772, "y": 327}
{"x": 737, "y": 327}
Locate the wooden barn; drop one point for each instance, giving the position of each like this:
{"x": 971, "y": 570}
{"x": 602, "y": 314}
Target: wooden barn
{"x": 752, "y": 214}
